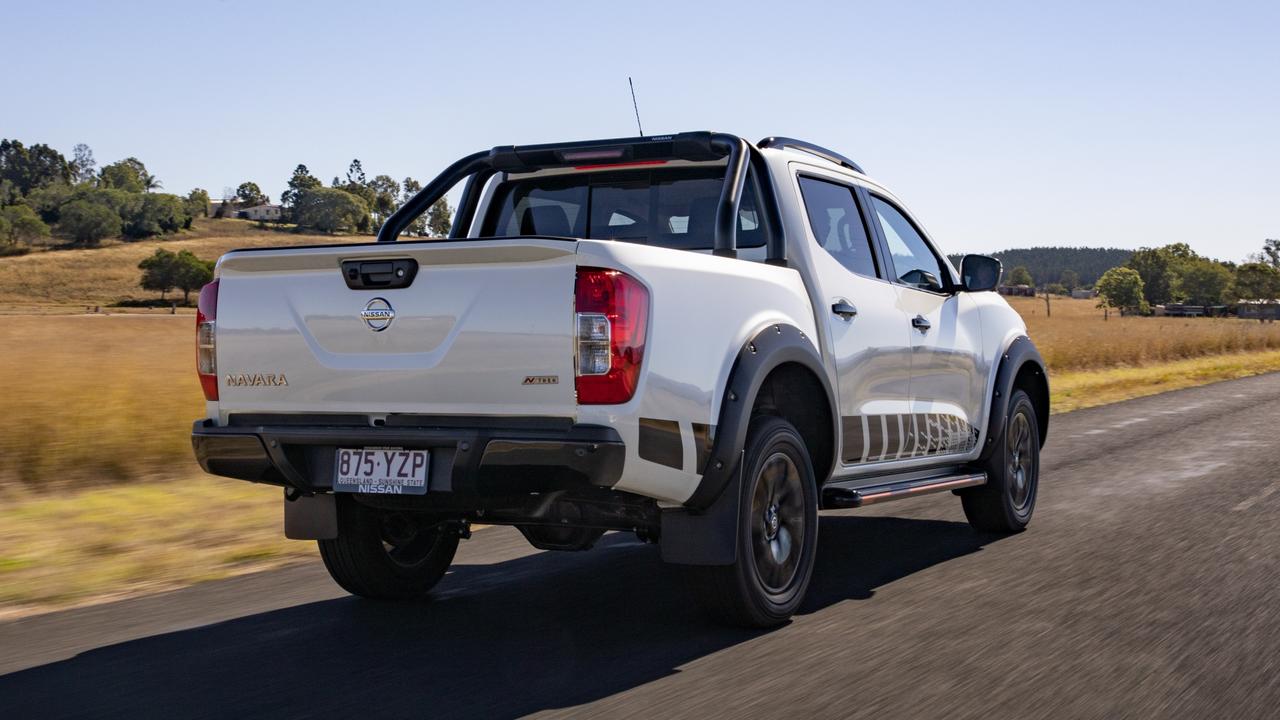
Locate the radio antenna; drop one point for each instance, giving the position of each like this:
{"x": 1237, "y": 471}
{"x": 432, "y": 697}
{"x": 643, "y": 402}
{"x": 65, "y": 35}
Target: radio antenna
{"x": 635, "y": 105}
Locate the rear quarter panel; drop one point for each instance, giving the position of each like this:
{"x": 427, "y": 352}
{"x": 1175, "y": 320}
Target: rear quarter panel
{"x": 703, "y": 309}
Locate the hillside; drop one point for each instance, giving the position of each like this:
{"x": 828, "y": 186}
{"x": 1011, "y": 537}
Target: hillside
{"x": 70, "y": 279}
{"x": 1046, "y": 264}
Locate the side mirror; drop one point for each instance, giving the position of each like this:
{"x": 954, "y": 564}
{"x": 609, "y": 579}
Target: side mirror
{"x": 979, "y": 273}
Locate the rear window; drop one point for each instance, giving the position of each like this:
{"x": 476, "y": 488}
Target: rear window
{"x": 673, "y": 208}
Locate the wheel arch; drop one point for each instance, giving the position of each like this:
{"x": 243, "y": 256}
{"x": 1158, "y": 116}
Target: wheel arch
{"x": 777, "y": 359}
{"x": 1021, "y": 367}
{"x": 766, "y": 375}
{"x": 792, "y": 391}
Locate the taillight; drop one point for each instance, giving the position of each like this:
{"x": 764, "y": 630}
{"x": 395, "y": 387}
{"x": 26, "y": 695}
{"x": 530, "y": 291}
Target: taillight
{"x": 612, "y": 316}
{"x": 206, "y": 340}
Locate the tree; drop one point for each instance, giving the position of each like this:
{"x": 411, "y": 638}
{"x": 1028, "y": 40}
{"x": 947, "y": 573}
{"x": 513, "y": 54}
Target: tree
{"x": 32, "y": 168}
{"x": 1020, "y": 276}
{"x": 155, "y": 214}
{"x": 191, "y": 273}
{"x": 89, "y": 222}
{"x": 302, "y": 180}
{"x": 83, "y": 166}
{"x": 1204, "y": 282}
{"x": 440, "y": 218}
{"x": 355, "y": 173}
{"x": 351, "y": 186}
{"x": 198, "y": 203}
{"x": 8, "y": 192}
{"x": 409, "y": 188}
{"x": 22, "y": 225}
{"x": 386, "y": 193}
{"x": 1271, "y": 252}
{"x": 48, "y": 200}
{"x": 1121, "y": 287}
{"x": 1069, "y": 279}
{"x": 159, "y": 272}
{"x": 1155, "y": 267}
{"x": 226, "y": 208}
{"x": 249, "y": 194}
{"x": 129, "y": 175}
{"x": 1256, "y": 281}
{"x": 1180, "y": 251}
{"x": 330, "y": 210}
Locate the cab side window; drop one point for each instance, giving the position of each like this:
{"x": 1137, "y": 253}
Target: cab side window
{"x": 837, "y": 224}
{"x": 914, "y": 263}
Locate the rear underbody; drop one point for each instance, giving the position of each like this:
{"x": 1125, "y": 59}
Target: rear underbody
{"x": 520, "y": 471}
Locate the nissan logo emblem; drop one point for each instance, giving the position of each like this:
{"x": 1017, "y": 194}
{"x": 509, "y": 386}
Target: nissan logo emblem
{"x": 378, "y": 314}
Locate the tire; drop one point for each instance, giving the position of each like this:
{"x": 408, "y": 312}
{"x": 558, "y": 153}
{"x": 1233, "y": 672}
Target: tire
{"x": 386, "y": 556}
{"x": 777, "y": 533}
{"x": 1005, "y": 503}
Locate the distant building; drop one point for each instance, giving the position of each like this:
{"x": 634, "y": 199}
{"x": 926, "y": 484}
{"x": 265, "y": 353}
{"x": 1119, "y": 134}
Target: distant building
{"x": 1182, "y": 310}
{"x": 1083, "y": 294}
{"x": 222, "y": 208}
{"x": 1268, "y": 310}
{"x": 1017, "y": 290}
{"x": 268, "y": 213}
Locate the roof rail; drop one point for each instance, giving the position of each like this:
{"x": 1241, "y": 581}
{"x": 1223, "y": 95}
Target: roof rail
{"x": 793, "y": 144}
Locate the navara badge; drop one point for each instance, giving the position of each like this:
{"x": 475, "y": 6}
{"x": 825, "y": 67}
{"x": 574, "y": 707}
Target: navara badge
{"x": 378, "y": 314}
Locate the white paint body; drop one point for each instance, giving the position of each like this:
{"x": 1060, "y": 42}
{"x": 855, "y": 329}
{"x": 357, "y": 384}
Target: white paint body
{"x": 484, "y": 314}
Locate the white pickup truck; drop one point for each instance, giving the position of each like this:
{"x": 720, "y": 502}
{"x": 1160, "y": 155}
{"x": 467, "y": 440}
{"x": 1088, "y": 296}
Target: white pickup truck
{"x": 689, "y": 337}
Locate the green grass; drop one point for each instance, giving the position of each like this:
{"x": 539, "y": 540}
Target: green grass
{"x": 64, "y": 549}
{"x": 1074, "y": 390}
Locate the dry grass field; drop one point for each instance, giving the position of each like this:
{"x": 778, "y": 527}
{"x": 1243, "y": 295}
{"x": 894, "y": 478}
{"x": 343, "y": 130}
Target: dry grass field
{"x": 99, "y": 493}
{"x": 1076, "y": 337}
{"x": 107, "y": 542}
{"x": 67, "y": 280}
{"x": 96, "y": 399}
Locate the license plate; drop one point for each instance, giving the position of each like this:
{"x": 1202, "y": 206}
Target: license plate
{"x": 385, "y": 471}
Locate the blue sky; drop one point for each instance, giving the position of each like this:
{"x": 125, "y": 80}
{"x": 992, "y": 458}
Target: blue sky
{"x": 1000, "y": 124}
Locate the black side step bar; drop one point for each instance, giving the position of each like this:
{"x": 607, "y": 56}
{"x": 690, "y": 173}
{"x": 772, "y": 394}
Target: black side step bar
{"x": 837, "y": 497}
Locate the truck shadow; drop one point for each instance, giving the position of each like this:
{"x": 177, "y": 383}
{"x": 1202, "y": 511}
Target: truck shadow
{"x": 544, "y": 631}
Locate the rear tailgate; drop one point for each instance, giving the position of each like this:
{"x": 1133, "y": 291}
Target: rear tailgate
{"x": 485, "y": 328}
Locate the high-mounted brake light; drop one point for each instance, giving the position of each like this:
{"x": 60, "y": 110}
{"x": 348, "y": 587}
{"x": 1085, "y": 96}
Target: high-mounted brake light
{"x": 632, "y": 163}
{"x": 612, "y": 317}
{"x": 580, "y": 155}
{"x": 206, "y": 340}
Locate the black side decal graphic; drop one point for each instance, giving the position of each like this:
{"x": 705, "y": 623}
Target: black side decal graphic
{"x": 875, "y": 446}
{"x": 873, "y": 438}
{"x": 704, "y": 436}
{"x": 851, "y": 432}
{"x": 660, "y": 442}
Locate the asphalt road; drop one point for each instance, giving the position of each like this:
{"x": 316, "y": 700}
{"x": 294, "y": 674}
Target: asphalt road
{"x": 1148, "y": 586}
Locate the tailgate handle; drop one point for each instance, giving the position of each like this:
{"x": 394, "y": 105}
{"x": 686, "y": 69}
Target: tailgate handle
{"x": 379, "y": 274}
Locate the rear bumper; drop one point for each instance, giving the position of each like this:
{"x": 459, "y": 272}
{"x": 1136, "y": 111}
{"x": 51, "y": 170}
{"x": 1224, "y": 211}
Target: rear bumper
{"x": 528, "y": 455}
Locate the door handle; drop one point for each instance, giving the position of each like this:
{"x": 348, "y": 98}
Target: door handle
{"x": 844, "y": 309}
{"x": 379, "y": 274}
{"x": 921, "y": 323}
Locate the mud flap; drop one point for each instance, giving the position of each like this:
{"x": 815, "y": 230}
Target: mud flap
{"x": 313, "y": 517}
{"x": 708, "y": 537}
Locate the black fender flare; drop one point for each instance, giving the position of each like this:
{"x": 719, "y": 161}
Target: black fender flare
{"x": 1020, "y": 353}
{"x": 703, "y": 531}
